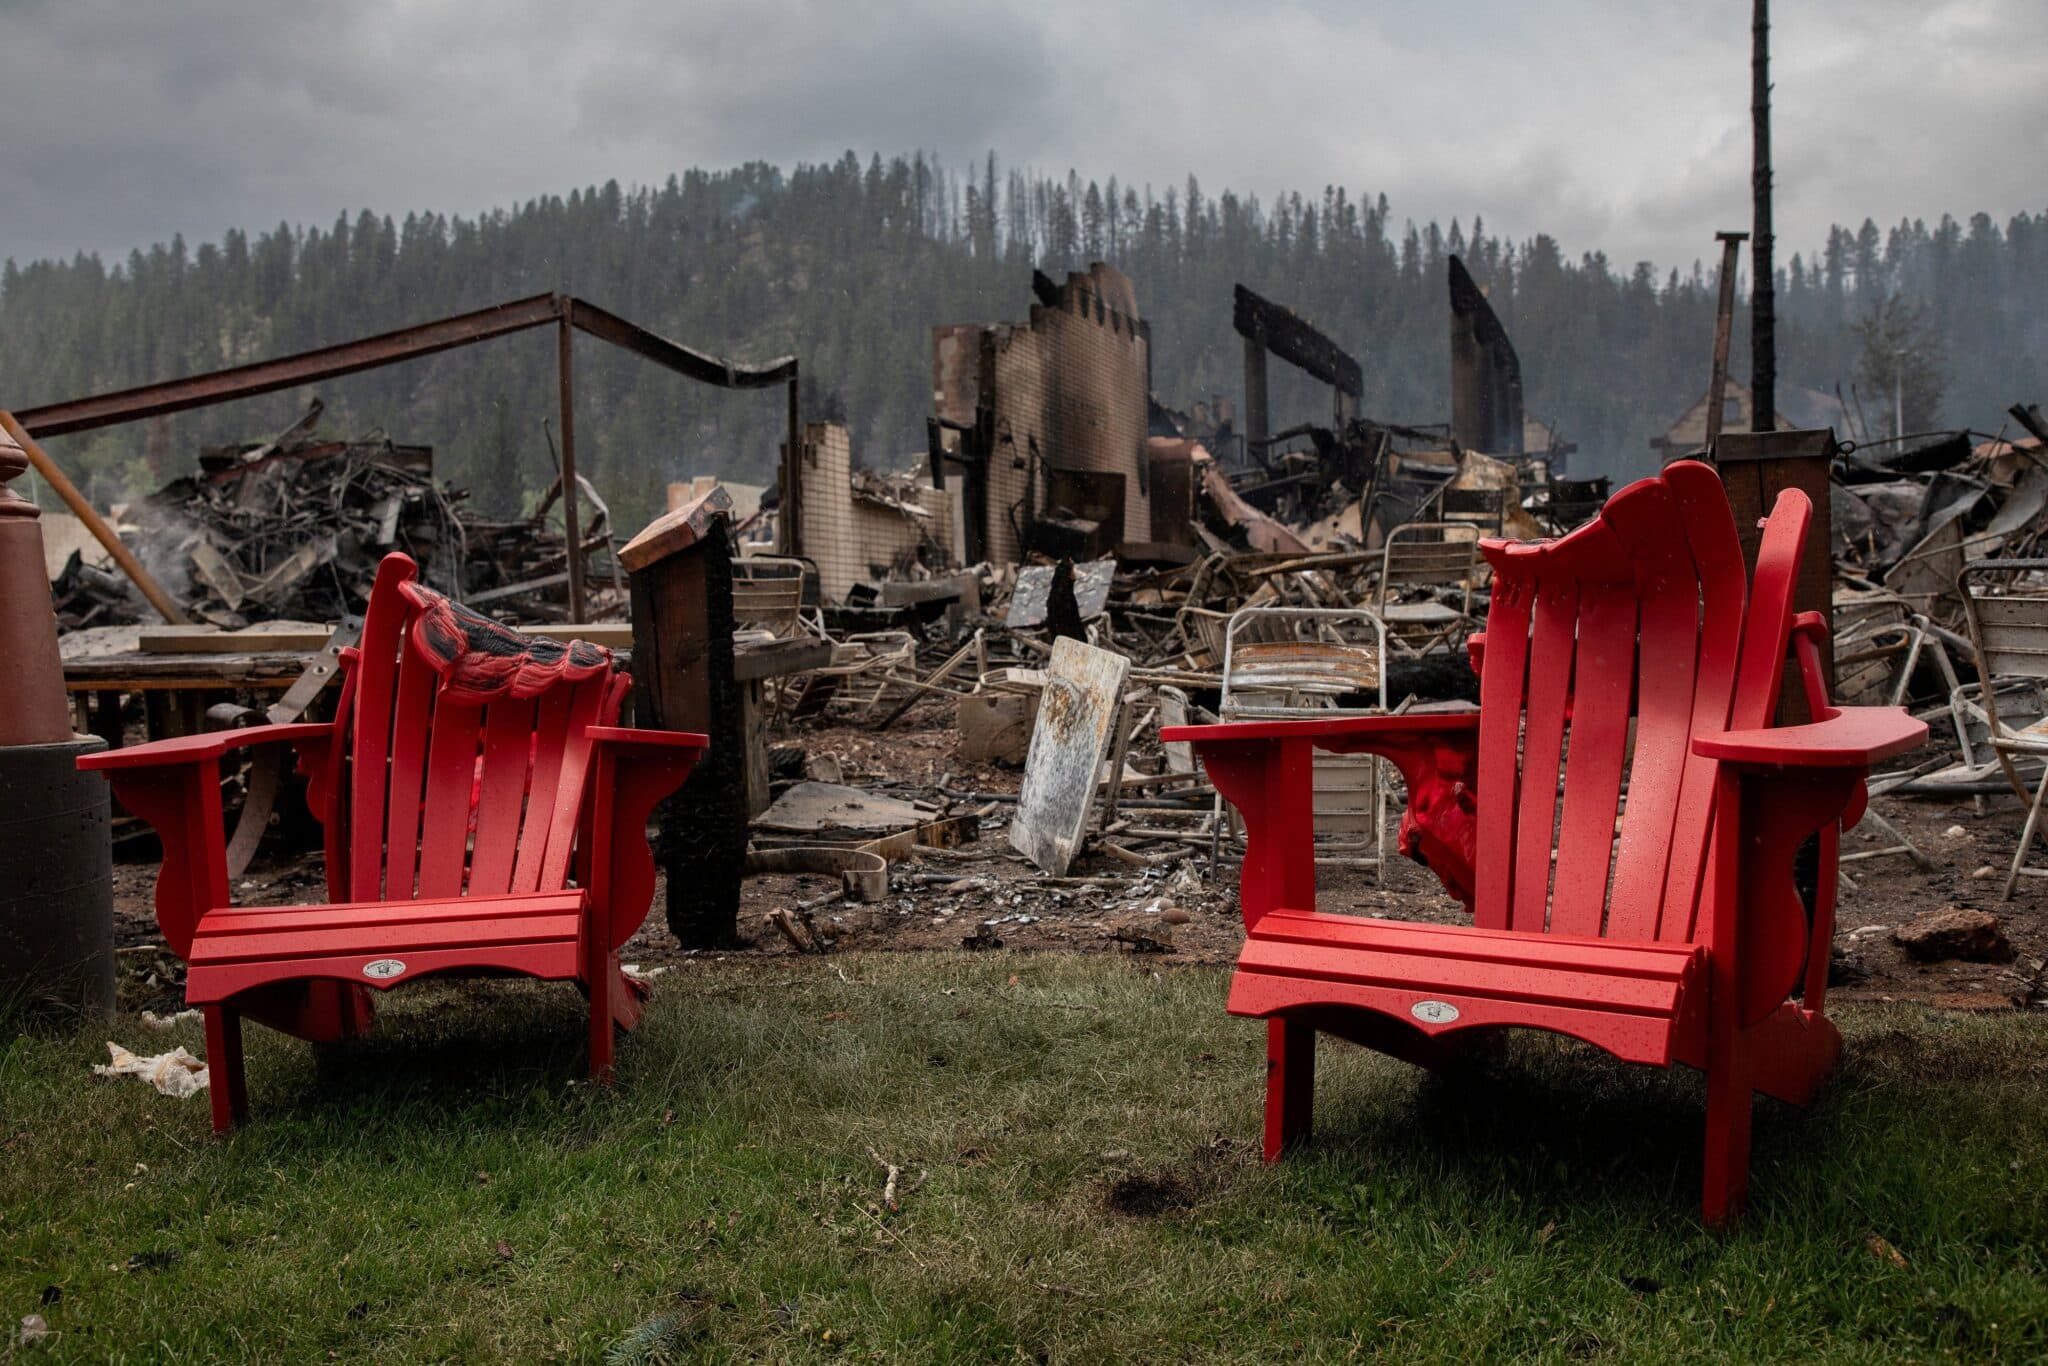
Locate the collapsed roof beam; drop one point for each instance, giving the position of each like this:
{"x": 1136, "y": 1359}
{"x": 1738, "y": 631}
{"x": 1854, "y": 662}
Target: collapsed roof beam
{"x": 1293, "y": 339}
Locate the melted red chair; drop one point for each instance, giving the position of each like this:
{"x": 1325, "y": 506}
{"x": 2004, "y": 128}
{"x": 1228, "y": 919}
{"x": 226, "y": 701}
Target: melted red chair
{"x": 1675, "y": 934}
{"x": 484, "y": 815}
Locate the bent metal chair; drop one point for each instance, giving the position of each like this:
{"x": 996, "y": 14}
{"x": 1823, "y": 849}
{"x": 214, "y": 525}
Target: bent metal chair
{"x": 1678, "y": 939}
{"x": 483, "y": 816}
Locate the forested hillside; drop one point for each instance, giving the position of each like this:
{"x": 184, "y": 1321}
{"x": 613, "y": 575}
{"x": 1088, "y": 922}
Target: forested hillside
{"x": 849, "y": 264}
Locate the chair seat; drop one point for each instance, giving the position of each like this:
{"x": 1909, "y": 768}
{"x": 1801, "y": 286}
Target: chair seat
{"x": 383, "y": 943}
{"x": 1640, "y": 1001}
{"x": 1420, "y": 614}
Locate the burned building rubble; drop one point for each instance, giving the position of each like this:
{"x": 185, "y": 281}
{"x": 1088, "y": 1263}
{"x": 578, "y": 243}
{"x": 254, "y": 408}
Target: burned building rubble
{"x": 1042, "y": 425}
{"x": 896, "y": 630}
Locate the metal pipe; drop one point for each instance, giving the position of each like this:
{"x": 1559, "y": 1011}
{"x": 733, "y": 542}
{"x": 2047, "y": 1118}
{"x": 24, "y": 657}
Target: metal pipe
{"x": 790, "y": 521}
{"x": 565, "y": 347}
{"x": 96, "y": 524}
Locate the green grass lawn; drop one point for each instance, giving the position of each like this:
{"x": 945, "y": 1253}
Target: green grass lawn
{"x": 454, "y": 1190}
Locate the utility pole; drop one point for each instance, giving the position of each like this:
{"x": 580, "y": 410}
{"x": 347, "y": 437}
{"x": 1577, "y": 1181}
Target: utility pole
{"x": 1763, "y": 342}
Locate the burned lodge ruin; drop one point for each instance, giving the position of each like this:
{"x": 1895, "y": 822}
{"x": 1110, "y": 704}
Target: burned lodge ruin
{"x": 1042, "y": 425}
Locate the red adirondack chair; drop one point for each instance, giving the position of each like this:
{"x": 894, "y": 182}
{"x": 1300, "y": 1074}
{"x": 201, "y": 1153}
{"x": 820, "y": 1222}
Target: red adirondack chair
{"x": 483, "y": 815}
{"x": 1677, "y": 939}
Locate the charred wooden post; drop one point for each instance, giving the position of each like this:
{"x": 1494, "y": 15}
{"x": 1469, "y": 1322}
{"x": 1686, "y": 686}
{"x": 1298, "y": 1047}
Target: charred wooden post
{"x": 680, "y": 581}
{"x": 1724, "y": 327}
{"x": 1486, "y": 374}
{"x": 56, "y": 858}
{"x": 1755, "y": 468}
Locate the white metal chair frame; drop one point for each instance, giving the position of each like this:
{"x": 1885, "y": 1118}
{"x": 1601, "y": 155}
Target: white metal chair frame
{"x": 2010, "y": 636}
{"x": 1299, "y": 693}
{"x": 1419, "y": 554}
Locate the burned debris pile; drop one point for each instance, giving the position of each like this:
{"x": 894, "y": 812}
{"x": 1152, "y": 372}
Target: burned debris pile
{"x": 293, "y": 528}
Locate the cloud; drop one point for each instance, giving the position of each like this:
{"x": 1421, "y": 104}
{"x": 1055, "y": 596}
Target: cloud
{"x": 1612, "y": 126}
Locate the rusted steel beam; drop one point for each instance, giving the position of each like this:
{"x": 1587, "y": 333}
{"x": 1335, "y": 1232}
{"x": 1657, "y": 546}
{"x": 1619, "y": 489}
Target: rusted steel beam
{"x": 263, "y": 377}
{"x": 96, "y": 524}
{"x": 565, "y": 350}
{"x": 388, "y": 348}
{"x": 789, "y": 520}
{"x": 715, "y": 370}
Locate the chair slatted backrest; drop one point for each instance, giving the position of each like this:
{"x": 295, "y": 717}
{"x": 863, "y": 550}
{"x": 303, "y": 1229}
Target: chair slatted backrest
{"x": 1430, "y": 555}
{"x": 768, "y": 593}
{"x": 2009, "y": 630}
{"x": 443, "y": 796}
{"x": 1641, "y": 614}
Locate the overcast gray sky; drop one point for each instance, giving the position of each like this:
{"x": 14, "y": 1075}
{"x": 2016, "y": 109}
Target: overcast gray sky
{"x": 1620, "y": 125}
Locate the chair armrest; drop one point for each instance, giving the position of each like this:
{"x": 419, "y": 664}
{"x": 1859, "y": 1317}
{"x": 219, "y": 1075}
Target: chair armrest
{"x": 633, "y": 770}
{"x": 1339, "y": 734}
{"x": 1777, "y": 787}
{"x": 189, "y": 749}
{"x": 174, "y": 785}
{"x": 623, "y": 738}
{"x": 1265, "y": 769}
{"x": 1850, "y": 737}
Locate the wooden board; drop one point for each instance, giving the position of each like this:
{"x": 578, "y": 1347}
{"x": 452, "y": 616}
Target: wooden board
{"x": 830, "y": 810}
{"x": 677, "y": 530}
{"x": 266, "y": 638}
{"x": 1076, "y": 723}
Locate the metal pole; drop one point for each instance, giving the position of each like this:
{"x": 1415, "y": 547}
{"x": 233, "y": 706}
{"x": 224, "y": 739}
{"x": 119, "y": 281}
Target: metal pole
{"x": 790, "y": 523}
{"x": 1763, "y": 318}
{"x": 97, "y": 525}
{"x": 565, "y": 337}
{"x": 1724, "y": 327}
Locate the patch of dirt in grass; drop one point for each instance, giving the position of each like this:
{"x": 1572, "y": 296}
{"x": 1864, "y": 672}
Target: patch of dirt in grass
{"x": 1174, "y": 1188}
{"x": 1148, "y": 1195}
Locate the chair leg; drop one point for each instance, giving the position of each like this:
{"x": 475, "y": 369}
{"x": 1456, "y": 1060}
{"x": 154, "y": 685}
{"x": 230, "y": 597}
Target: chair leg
{"x": 227, "y": 1086}
{"x": 1290, "y": 1084}
{"x": 2019, "y": 858}
{"x": 1728, "y": 1121}
{"x": 604, "y": 982}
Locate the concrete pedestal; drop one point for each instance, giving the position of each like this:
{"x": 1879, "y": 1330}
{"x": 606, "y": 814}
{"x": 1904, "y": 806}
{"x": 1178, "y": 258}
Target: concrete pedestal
{"x": 56, "y": 885}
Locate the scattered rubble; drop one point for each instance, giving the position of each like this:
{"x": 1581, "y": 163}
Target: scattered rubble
{"x": 1955, "y": 932}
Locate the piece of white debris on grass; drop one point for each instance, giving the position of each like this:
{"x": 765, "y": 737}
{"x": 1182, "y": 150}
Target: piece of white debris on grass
{"x": 155, "y": 1021}
{"x": 176, "y": 1073}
